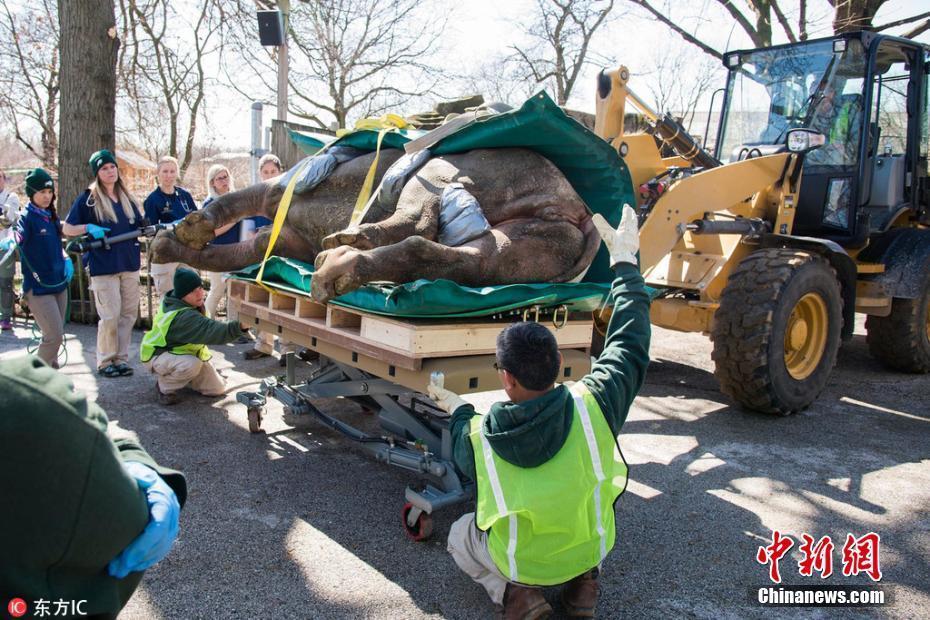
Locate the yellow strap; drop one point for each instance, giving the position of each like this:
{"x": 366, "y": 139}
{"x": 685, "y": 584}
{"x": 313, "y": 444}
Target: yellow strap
{"x": 279, "y": 218}
{"x": 386, "y": 124}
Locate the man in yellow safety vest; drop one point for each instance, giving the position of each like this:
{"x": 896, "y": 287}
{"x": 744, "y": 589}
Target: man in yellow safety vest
{"x": 546, "y": 464}
{"x": 175, "y": 349}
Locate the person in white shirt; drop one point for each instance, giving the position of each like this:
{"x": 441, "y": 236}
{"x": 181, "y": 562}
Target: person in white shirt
{"x": 9, "y": 216}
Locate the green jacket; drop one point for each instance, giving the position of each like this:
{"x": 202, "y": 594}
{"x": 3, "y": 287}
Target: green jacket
{"x": 68, "y": 506}
{"x": 195, "y": 327}
{"x": 532, "y": 432}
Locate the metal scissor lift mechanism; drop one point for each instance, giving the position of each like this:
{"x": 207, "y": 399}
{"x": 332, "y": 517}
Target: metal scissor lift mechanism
{"x": 417, "y": 435}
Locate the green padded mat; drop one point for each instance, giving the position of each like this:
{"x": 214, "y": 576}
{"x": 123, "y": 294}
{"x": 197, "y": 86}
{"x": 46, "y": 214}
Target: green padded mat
{"x": 434, "y": 298}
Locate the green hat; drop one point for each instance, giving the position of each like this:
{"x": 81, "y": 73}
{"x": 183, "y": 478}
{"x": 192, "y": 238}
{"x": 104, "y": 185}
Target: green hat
{"x": 185, "y": 281}
{"x": 98, "y": 159}
{"x": 37, "y": 180}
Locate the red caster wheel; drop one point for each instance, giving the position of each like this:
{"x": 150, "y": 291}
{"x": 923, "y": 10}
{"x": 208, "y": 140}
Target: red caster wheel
{"x": 422, "y": 527}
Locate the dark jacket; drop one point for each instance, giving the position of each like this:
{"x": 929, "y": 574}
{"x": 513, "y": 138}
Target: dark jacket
{"x": 532, "y": 432}
{"x": 68, "y": 505}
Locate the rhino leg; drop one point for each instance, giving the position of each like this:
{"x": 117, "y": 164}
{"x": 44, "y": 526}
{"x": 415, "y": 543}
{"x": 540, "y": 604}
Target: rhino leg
{"x": 528, "y": 250}
{"x": 166, "y": 248}
{"x": 416, "y": 214}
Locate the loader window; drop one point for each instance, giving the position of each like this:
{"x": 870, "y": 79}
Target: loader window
{"x": 888, "y": 131}
{"x": 774, "y": 90}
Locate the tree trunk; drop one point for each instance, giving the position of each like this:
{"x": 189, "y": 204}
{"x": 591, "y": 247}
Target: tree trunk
{"x": 854, "y": 15}
{"x": 88, "y": 91}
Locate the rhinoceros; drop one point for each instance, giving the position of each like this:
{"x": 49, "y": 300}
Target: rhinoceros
{"x": 537, "y": 227}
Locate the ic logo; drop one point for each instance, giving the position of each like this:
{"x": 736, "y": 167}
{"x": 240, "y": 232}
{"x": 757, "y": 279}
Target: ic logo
{"x": 17, "y": 608}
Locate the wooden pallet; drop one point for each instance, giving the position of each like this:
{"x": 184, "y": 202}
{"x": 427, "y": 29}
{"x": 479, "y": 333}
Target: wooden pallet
{"x": 400, "y": 342}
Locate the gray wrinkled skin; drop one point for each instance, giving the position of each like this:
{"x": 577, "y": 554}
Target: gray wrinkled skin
{"x": 541, "y": 231}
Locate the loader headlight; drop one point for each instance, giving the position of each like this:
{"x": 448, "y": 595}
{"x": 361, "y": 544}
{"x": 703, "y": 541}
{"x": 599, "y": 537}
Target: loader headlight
{"x": 802, "y": 140}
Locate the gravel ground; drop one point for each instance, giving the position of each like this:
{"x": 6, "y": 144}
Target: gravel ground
{"x": 298, "y": 523}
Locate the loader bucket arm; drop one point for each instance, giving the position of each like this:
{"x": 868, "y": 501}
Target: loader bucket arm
{"x": 713, "y": 190}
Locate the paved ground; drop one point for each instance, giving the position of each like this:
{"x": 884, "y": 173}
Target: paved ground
{"x": 296, "y": 523}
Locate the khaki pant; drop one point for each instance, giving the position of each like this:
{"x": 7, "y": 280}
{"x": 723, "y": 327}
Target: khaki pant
{"x": 177, "y": 371}
{"x": 117, "y": 299}
{"x": 218, "y": 284}
{"x": 162, "y": 275}
{"x": 469, "y": 548}
{"x": 49, "y": 313}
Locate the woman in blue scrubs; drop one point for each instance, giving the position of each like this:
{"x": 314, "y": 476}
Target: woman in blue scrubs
{"x": 167, "y": 203}
{"x": 107, "y": 208}
{"x": 46, "y": 268}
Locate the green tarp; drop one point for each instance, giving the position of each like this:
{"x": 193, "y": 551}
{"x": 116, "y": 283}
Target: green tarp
{"x": 435, "y": 298}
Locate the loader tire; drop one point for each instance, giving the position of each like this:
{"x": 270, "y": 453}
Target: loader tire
{"x": 777, "y": 331}
{"x": 901, "y": 340}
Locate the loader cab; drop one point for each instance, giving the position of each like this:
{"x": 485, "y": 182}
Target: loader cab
{"x": 867, "y": 94}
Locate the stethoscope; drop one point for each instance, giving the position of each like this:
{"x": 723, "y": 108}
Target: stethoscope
{"x": 184, "y": 206}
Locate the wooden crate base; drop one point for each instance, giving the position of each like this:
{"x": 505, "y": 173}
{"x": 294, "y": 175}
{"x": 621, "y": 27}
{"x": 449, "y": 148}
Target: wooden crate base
{"x": 399, "y": 342}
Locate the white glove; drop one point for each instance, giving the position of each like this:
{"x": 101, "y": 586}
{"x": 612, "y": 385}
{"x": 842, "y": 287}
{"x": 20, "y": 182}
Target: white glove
{"x": 623, "y": 243}
{"x": 446, "y": 400}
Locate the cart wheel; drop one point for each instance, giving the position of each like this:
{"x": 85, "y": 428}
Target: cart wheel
{"x": 255, "y": 419}
{"x": 422, "y": 528}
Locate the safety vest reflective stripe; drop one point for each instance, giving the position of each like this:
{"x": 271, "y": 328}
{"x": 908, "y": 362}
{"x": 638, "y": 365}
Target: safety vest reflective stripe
{"x": 595, "y": 462}
{"x": 495, "y": 481}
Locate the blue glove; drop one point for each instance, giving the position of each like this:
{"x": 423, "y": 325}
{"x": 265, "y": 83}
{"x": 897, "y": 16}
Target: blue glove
{"x": 7, "y": 244}
{"x": 156, "y": 539}
{"x": 69, "y": 269}
{"x": 97, "y": 232}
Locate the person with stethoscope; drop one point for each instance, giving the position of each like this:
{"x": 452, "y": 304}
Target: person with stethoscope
{"x": 108, "y": 206}
{"x": 167, "y": 203}
{"x": 46, "y": 268}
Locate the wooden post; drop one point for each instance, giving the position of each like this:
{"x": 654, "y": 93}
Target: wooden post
{"x": 285, "y": 7}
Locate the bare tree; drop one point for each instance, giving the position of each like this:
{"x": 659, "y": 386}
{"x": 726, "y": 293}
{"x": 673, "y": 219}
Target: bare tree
{"x": 679, "y": 96}
{"x": 348, "y": 58}
{"x": 29, "y": 77}
{"x": 755, "y": 18}
{"x": 560, "y": 37}
{"x": 88, "y": 88}
{"x": 163, "y": 70}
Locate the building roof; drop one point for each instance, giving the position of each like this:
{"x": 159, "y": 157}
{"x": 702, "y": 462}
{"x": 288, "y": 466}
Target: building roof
{"x": 135, "y": 160}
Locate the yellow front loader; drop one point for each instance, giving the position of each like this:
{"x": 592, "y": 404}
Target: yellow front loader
{"x": 814, "y": 206}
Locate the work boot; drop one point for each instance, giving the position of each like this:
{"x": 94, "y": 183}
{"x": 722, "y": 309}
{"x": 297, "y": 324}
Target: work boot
{"x": 521, "y": 603}
{"x": 579, "y": 596}
{"x": 254, "y": 354}
{"x": 166, "y": 398}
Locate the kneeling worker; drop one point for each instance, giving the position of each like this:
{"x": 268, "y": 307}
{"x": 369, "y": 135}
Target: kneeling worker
{"x": 546, "y": 464}
{"x": 175, "y": 348}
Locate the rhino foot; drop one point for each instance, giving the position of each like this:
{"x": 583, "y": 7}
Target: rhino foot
{"x": 352, "y": 237}
{"x": 164, "y": 248}
{"x": 195, "y": 230}
{"x": 336, "y": 273}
